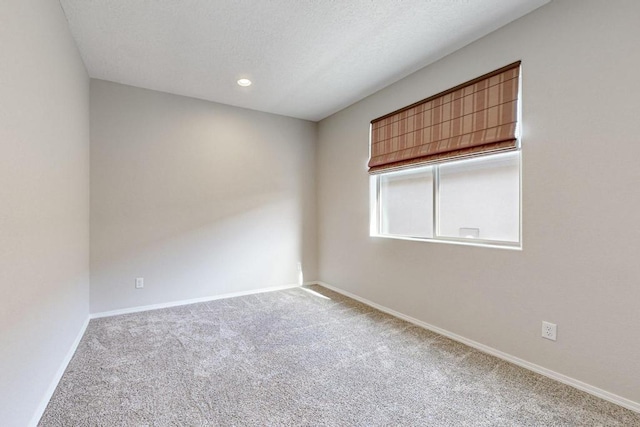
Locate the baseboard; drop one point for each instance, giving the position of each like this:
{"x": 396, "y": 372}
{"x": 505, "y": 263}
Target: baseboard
{"x": 56, "y": 379}
{"x": 603, "y": 394}
{"x": 190, "y": 301}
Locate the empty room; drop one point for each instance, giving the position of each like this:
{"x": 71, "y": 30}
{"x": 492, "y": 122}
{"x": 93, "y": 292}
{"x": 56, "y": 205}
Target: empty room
{"x": 319, "y": 213}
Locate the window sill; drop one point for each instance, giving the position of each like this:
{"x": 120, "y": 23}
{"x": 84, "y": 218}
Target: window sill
{"x": 482, "y": 244}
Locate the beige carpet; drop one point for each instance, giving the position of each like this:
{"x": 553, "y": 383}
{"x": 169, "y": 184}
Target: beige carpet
{"x": 301, "y": 358}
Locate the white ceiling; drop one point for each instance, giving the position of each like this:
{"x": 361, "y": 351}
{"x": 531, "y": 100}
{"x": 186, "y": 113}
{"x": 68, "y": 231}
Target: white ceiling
{"x": 306, "y": 58}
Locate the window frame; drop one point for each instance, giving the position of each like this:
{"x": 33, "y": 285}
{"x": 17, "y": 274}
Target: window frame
{"x": 376, "y": 204}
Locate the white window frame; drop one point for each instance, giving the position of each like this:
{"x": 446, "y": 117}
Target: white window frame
{"x": 376, "y": 213}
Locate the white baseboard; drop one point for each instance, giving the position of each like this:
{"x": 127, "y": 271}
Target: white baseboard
{"x": 56, "y": 379}
{"x": 598, "y": 392}
{"x": 189, "y": 301}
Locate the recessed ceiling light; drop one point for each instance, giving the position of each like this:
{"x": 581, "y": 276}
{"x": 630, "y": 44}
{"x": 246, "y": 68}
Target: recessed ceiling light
{"x": 244, "y": 82}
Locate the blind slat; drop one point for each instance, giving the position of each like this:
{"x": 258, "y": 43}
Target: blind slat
{"x": 475, "y": 118}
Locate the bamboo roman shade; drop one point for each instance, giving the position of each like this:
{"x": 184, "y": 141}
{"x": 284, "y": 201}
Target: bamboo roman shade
{"x": 475, "y": 118}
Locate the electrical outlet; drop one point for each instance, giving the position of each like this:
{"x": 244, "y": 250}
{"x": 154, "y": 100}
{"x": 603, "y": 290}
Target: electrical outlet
{"x": 549, "y": 330}
{"x": 139, "y": 282}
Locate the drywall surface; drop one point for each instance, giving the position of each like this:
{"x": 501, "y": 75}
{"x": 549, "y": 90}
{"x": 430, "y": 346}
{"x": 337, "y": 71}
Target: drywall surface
{"x": 197, "y": 198}
{"x": 44, "y": 202}
{"x": 579, "y": 264}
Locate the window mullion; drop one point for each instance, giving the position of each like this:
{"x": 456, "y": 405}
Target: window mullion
{"x": 436, "y": 182}
{"x": 380, "y": 201}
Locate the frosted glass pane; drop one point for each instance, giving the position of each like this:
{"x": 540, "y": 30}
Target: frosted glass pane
{"x": 480, "y": 198}
{"x": 406, "y": 201}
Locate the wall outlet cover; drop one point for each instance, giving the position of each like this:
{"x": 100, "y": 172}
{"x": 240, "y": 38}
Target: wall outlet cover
{"x": 549, "y": 330}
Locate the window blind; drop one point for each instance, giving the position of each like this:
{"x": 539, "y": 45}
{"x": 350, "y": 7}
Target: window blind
{"x": 475, "y": 118}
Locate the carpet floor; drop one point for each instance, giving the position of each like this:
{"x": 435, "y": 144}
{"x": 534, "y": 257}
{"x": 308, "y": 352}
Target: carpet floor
{"x": 301, "y": 357}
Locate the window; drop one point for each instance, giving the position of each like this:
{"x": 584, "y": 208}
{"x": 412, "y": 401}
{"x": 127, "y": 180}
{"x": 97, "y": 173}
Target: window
{"x": 448, "y": 168}
{"x": 465, "y": 201}
{"x": 407, "y": 203}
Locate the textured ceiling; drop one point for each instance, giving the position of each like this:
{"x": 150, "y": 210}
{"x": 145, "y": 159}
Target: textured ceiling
{"x": 307, "y": 58}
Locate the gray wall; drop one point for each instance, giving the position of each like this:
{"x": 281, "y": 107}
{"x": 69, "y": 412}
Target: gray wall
{"x": 198, "y": 198}
{"x": 44, "y": 202}
{"x": 579, "y": 265}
